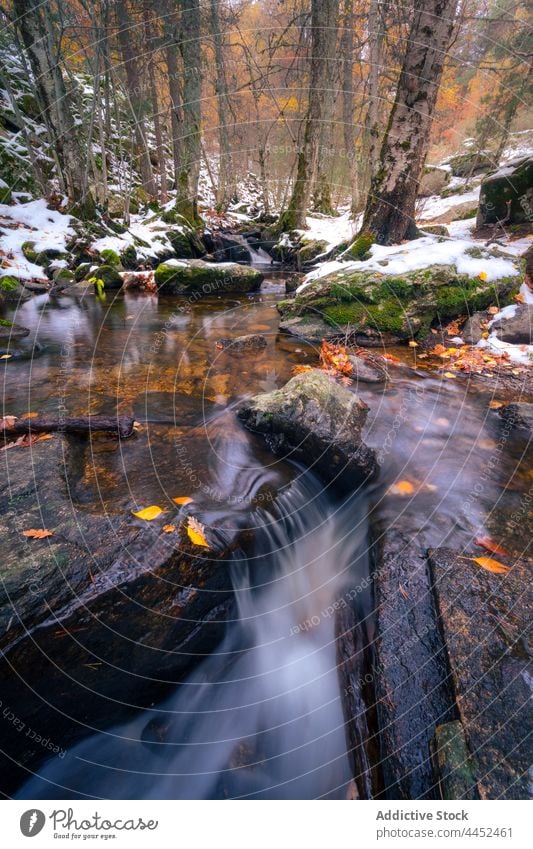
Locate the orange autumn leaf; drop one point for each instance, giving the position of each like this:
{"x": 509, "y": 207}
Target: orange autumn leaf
{"x": 402, "y": 488}
{"x": 168, "y": 529}
{"x": 301, "y": 369}
{"x": 333, "y": 358}
{"x": 195, "y": 532}
{"x": 490, "y": 545}
{"x": 37, "y": 533}
{"x": 491, "y": 565}
{"x": 182, "y": 499}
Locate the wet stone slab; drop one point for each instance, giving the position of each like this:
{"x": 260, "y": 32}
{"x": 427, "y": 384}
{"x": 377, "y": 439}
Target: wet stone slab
{"x": 485, "y": 618}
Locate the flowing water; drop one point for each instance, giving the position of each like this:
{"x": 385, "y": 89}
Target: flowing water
{"x": 261, "y": 717}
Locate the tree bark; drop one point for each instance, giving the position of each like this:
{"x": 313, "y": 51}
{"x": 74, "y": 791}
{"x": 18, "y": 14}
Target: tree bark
{"x": 390, "y": 207}
{"x": 134, "y": 91}
{"x": 324, "y": 15}
{"x": 160, "y": 147}
{"x": 36, "y": 24}
{"x": 191, "y": 133}
{"x": 226, "y": 172}
{"x": 349, "y": 130}
{"x": 375, "y": 50}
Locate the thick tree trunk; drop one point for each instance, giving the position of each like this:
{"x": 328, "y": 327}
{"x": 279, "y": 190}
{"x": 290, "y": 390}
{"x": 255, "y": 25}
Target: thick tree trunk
{"x": 390, "y": 208}
{"x": 160, "y": 147}
{"x": 35, "y": 22}
{"x": 135, "y": 96}
{"x": 324, "y": 16}
{"x": 191, "y": 134}
{"x": 349, "y": 130}
{"x": 226, "y": 171}
{"x": 372, "y": 130}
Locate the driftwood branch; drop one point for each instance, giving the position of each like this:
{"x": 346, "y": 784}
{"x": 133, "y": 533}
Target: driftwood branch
{"x": 122, "y": 426}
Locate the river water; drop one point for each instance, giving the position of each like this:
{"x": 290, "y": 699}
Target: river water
{"x": 262, "y": 717}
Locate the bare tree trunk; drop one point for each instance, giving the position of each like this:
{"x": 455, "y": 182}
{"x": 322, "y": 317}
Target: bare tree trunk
{"x": 191, "y": 134}
{"x": 349, "y": 129}
{"x": 35, "y": 22}
{"x": 226, "y": 172}
{"x": 390, "y": 208}
{"x": 135, "y": 96}
{"x": 322, "y": 189}
{"x": 160, "y": 147}
{"x": 375, "y": 51}
{"x": 324, "y": 14}
{"x": 171, "y": 56}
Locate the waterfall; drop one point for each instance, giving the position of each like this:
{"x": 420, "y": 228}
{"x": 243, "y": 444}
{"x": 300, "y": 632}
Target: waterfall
{"x": 262, "y": 717}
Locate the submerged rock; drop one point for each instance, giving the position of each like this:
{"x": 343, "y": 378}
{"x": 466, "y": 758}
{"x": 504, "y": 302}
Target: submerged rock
{"x": 367, "y": 371}
{"x": 314, "y": 420}
{"x": 178, "y": 277}
{"x": 485, "y": 619}
{"x": 518, "y": 415}
{"x": 370, "y": 308}
{"x": 507, "y": 195}
{"x": 10, "y": 330}
{"x": 474, "y": 328}
{"x": 252, "y": 342}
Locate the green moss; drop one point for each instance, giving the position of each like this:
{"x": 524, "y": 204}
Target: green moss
{"x": 4, "y": 322}
{"x": 128, "y": 257}
{"x": 469, "y": 213}
{"x": 110, "y": 257}
{"x": 398, "y": 287}
{"x": 361, "y": 247}
{"x": 5, "y": 194}
{"x": 9, "y": 284}
{"x": 28, "y": 249}
{"x": 387, "y": 316}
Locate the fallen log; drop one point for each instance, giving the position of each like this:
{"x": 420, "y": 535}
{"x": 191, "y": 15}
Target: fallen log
{"x": 122, "y": 426}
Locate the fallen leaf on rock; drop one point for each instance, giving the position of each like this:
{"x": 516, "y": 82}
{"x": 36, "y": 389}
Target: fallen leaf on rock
{"x": 519, "y": 298}
{"x": 7, "y": 421}
{"x": 148, "y": 513}
{"x": 495, "y": 405}
{"x": 37, "y": 533}
{"x": 491, "y": 565}
{"x": 493, "y": 310}
{"x": 301, "y": 369}
{"x": 6, "y": 356}
{"x": 401, "y": 488}
{"x": 195, "y": 532}
{"x": 449, "y": 374}
{"x": 169, "y": 528}
{"x": 412, "y": 343}
{"x": 490, "y": 545}
{"x": 182, "y": 499}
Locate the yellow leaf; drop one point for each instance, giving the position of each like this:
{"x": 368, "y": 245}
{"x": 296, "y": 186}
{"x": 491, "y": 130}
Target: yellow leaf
{"x": 449, "y": 374}
{"x": 492, "y": 565}
{"x": 169, "y": 528}
{"x": 412, "y": 343}
{"x": 183, "y": 499}
{"x": 495, "y": 405}
{"x": 195, "y": 532}
{"x": 482, "y": 275}
{"x": 6, "y": 356}
{"x": 402, "y": 488}
{"x": 148, "y": 513}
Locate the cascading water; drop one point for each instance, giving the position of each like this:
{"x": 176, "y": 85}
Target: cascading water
{"x": 262, "y": 717}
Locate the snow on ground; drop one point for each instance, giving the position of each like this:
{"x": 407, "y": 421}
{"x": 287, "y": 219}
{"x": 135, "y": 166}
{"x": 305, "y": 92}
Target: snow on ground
{"x": 30, "y": 222}
{"x": 332, "y": 230}
{"x": 435, "y": 206}
{"x": 150, "y": 230}
{"x": 421, "y": 253}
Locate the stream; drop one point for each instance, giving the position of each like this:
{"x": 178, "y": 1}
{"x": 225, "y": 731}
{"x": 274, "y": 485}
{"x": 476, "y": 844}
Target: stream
{"x": 262, "y": 716}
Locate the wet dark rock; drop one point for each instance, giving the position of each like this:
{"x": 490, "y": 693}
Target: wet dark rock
{"x": 474, "y": 328}
{"x": 518, "y": 415}
{"x": 518, "y": 328}
{"x": 10, "y": 330}
{"x": 110, "y": 276}
{"x": 485, "y": 619}
{"x": 230, "y": 249}
{"x": 100, "y": 618}
{"x": 507, "y": 195}
{"x": 412, "y": 687}
{"x": 310, "y": 328}
{"x": 454, "y": 763}
{"x": 252, "y": 342}
{"x": 367, "y": 371}
{"x": 314, "y": 420}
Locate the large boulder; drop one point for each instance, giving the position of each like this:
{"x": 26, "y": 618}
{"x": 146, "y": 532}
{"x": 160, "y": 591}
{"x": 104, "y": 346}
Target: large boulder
{"x": 507, "y": 195}
{"x": 433, "y": 181}
{"x": 314, "y": 420}
{"x": 468, "y": 164}
{"x": 374, "y": 308}
{"x": 517, "y": 328}
{"x": 100, "y": 618}
{"x": 179, "y": 277}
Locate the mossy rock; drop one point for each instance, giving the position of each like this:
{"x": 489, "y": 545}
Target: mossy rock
{"x": 12, "y": 290}
{"x": 507, "y": 194}
{"x": 181, "y": 244}
{"x": 82, "y": 271}
{"x": 5, "y": 194}
{"x": 110, "y": 276}
{"x": 28, "y": 105}
{"x": 128, "y": 258}
{"x": 63, "y": 277}
{"x": 29, "y": 252}
{"x": 195, "y": 275}
{"x": 111, "y": 258}
{"x": 473, "y": 162}
{"x": 360, "y": 248}
{"x": 370, "y": 306}
{"x": 310, "y": 250}
{"x": 9, "y": 330}
{"x": 435, "y": 230}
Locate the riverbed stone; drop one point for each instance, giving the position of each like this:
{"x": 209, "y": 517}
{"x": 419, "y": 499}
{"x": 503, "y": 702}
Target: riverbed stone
{"x": 314, "y": 420}
{"x": 240, "y": 344}
{"x": 370, "y": 307}
{"x": 180, "y": 277}
{"x": 519, "y": 415}
{"x": 473, "y": 162}
{"x": 485, "y": 619}
{"x": 474, "y": 328}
